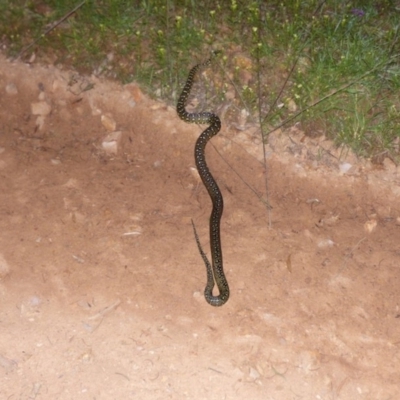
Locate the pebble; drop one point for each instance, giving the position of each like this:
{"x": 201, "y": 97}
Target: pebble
{"x": 344, "y": 168}
{"x": 108, "y": 122}
{"x": 111, "y": 141}
{"x": 370, "y": 225}
{"x": 324, "y": 243}
{"x": 253, "y": 374}
{"x": 40, "y": 108}
{"x": 11, "y": 88}
{"x": 135, "y": 91}
{"x": 40, "y": 122}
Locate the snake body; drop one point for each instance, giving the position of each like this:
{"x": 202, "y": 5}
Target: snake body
{"x": 215, "y": 271}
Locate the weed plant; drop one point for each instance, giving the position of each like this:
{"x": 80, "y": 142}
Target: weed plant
{"x": 280, "y": 58}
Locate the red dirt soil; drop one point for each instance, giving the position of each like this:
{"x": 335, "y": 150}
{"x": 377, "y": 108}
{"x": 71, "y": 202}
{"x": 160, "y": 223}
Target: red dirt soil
{"x": 101, "y": 282}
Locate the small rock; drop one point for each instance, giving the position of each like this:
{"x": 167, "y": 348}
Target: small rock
{"x": 108, "y": 122}
{"x": 253, "y": 374}
{"x": 344, "y": 168}
{"x": 291, "y": 105}
{"x": 195, "y": 173}
{"x": 135, "y": 92}
{"x": 324, "y": 243}
{"x": 40, "y": 122}
{"x": 198, "y": 296}
{"x": 40, "y": 108}
{"x": 11, "y": 89}
{"x": 157, "y": 106}
{"x": 370, "y": 225}
{"x": 57, "y": 84}
{"x": 111, "y": 141}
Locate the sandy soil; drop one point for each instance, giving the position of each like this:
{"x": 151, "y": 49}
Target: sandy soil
{"x": 101, "y": 282}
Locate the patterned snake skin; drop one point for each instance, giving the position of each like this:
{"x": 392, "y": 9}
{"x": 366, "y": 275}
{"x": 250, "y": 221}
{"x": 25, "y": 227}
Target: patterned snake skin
{"x": 214, "y": 271}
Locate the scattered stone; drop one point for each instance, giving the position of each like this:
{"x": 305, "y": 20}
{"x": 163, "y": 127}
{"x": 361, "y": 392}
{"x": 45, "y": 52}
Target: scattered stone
{"x": 253, "y": 374}
{"x": 42, "y": 95}
{"x": 108, "y": 122}
{"x": 195, "y": 174}
{"x": 111, "y": 141}
{"x": 134, "y": 230}
{"x": 325, "y": 243}
{"x": 40, "y": 122}
{"x": 329, "y": 221}
{"x": 57, "y": 84}
{"x": 72, "y": 183}
{"x": 40, "y": 108}
{"x": 291, "y": 105}
{"x": 157, "y": 106}
{"x": 198, "y": 296}
{"x": 11, "y": 89}
{"x": 135, "y": 91}
{"x": 370, "y": 225}
{"x": 344, "y": 168}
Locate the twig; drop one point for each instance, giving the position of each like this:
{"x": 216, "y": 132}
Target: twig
{"x": 53, "y": 26}
{"x": 260, "y": 118}
{"x": 263, "y": 119}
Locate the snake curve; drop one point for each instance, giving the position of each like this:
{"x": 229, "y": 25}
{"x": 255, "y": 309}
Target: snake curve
{"x": 215, "y": 271}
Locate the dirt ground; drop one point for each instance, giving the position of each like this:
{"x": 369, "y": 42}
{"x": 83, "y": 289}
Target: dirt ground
{"x": 101, "y": 282}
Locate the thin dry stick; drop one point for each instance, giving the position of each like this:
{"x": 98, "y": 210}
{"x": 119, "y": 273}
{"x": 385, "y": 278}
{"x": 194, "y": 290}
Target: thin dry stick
{"x": 265, "y": 201}
{"x": 259, "y": 115}
{"x": 261, "y": 119}
{"x": 53, "y": 26}
{"x": 263, "y": 144}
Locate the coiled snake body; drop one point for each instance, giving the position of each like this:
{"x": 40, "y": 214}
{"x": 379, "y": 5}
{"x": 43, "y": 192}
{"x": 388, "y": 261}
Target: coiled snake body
{"x": 214, "y": 271}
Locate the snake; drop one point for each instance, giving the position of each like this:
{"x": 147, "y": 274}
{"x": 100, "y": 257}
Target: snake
{"x": 215, "y": 270}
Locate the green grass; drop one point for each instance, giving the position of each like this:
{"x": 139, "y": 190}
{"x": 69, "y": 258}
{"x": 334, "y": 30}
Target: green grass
{"x": 279, "y": 58}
